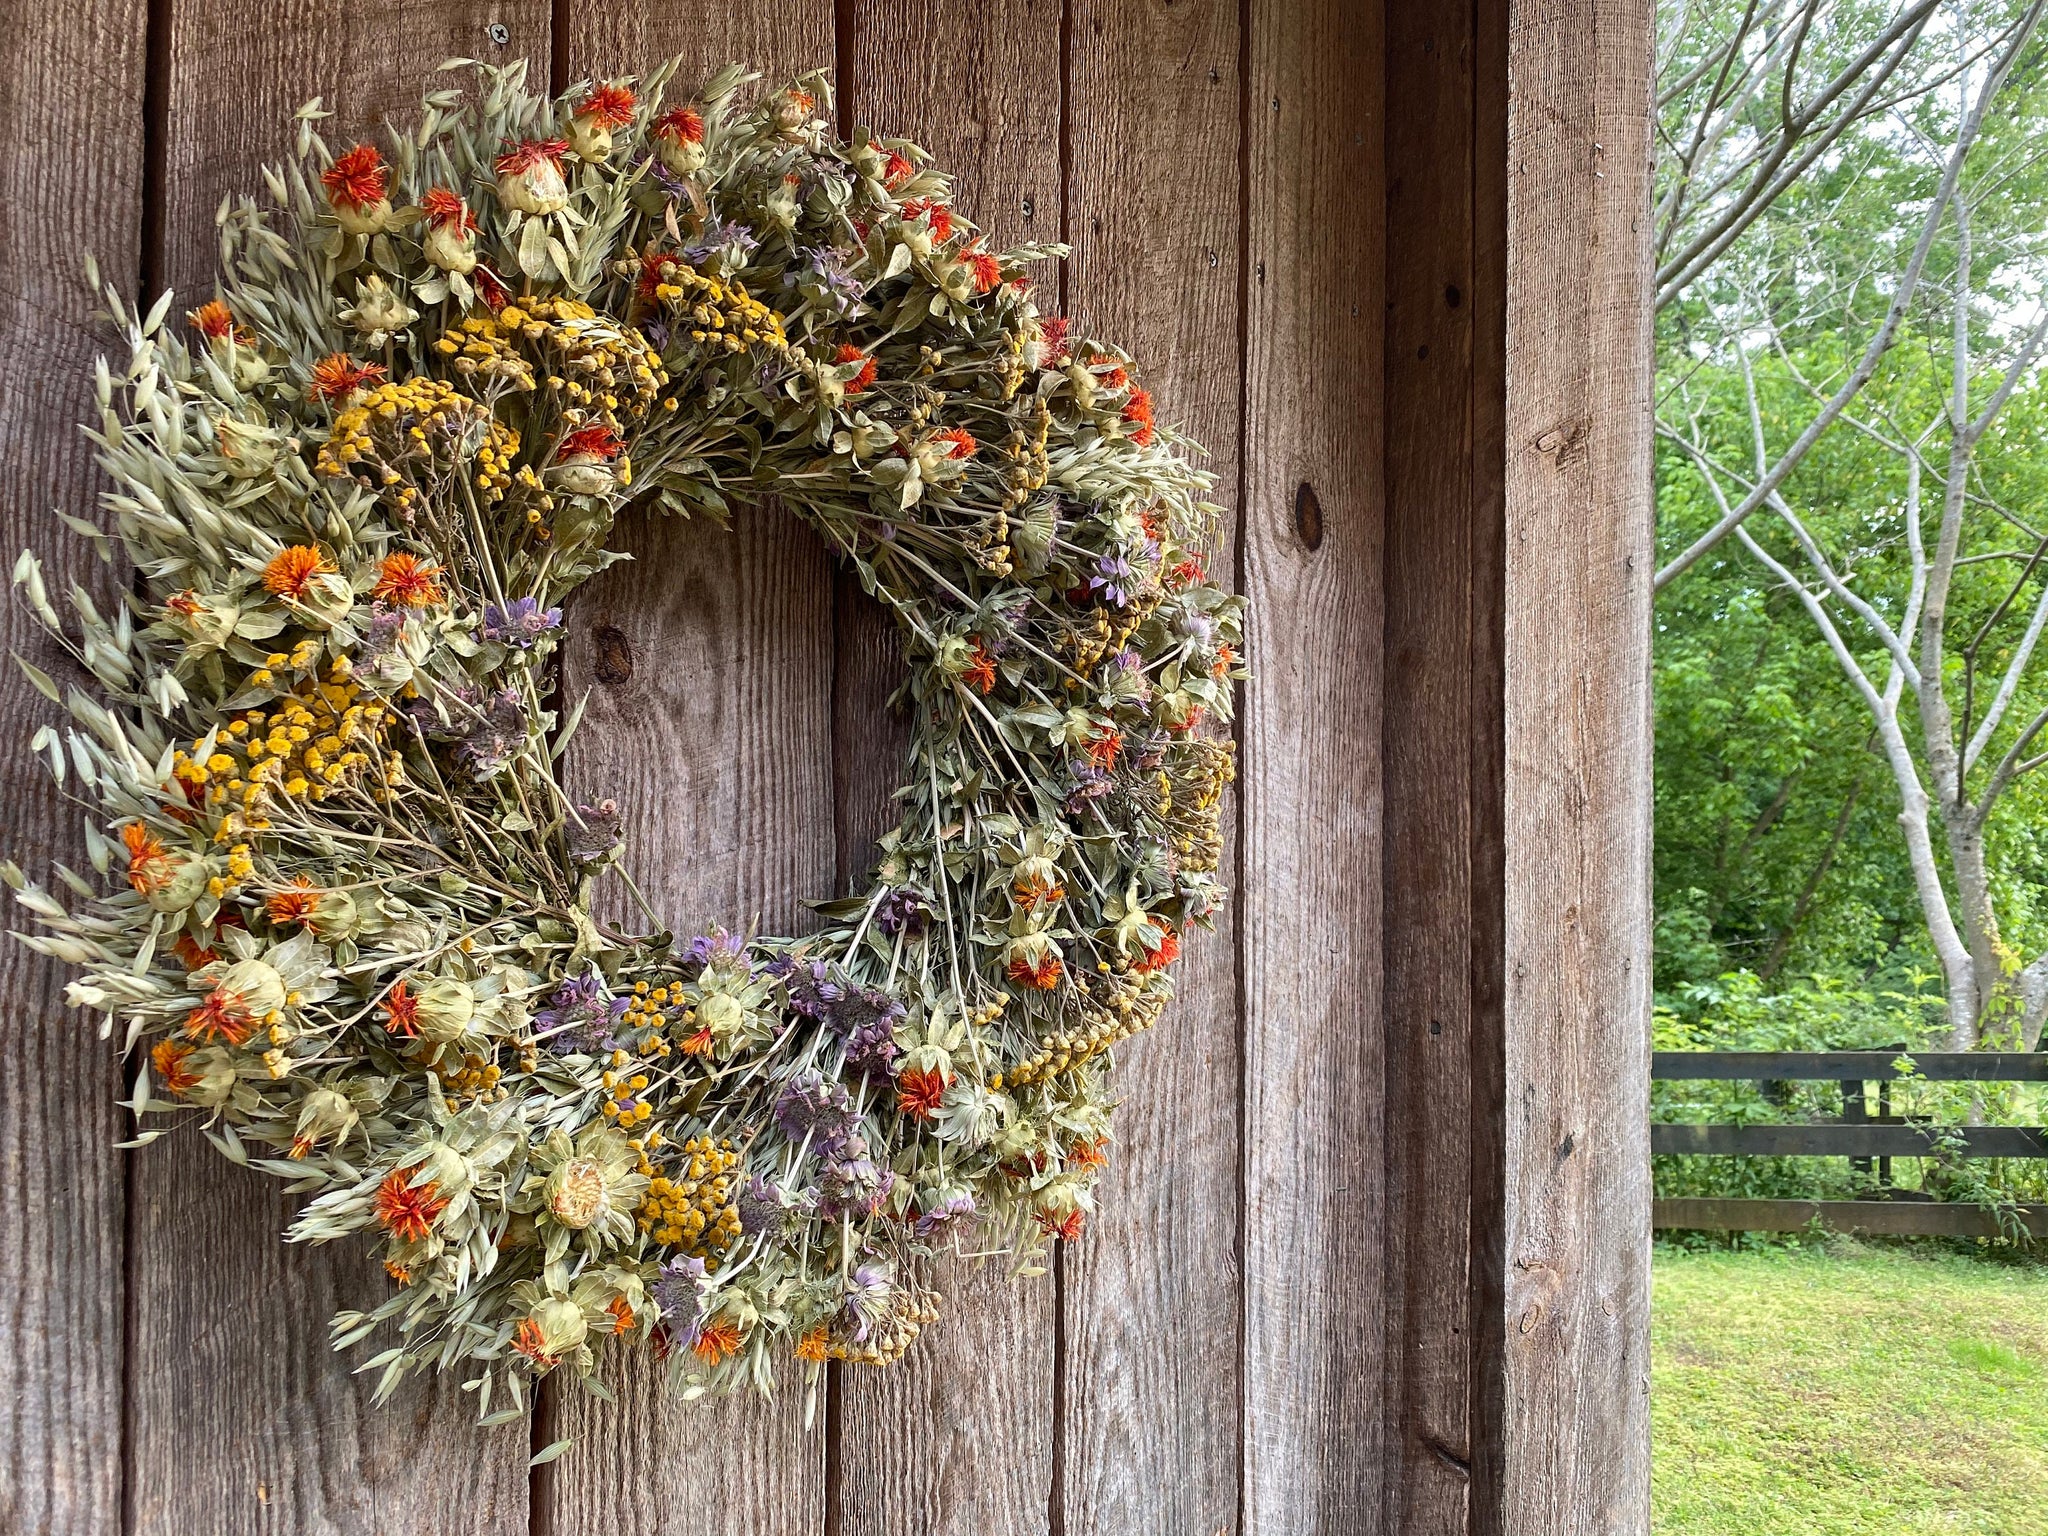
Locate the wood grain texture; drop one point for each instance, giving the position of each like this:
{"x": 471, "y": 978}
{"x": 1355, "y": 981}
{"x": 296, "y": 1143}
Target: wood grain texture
{"x": 959, "y": 1435}
{"x": 1315, "y": 1197}
{"x": 1432, "y": 528}
{"x": 77, "y": 187}
{"x": 1577, "y": 793}
{"x": 243, "y": 1419}
{"x": 719, "y": 748}
{"x": 1153, "y": 1294}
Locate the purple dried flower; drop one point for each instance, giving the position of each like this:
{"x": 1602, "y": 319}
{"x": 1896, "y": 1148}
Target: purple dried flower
{"x": 727, "y": 951}
{"x": 851, "y": 1185}
{"x": 868, "y": 1295}
{"x": 762, "y": 1209}
{"x": 901, "y": 911}
{"x": 595, "y": 832}
{"x": 723, "y": 238}
{"x": 813, "y": 992}
{"x": 496, "y": 736}
{"x": 382, "y": 632}
{"x": 1090, "y": 783}
{"x": 871, "y": 1050}
{"x": 682, "y": 1304}
{"x": 947, "y": 1210}
{"x": 810, "y": 1106}
{"x": 580, "y": 1016}
{"x": 827, "y": 268}
{"x": 1113, "y": 580}
{"x": 520, "y": 622}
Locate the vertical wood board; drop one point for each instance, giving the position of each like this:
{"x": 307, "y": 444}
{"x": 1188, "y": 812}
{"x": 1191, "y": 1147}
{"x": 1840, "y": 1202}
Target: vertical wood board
{"x": 243, "y": 1419}
{"x": 61, "y": 1180}
{"x": 1425, "y": 749}
{"x": 1575, "y": 1430}
{"x": 959, "y": 1435}
{"x": 708, "y": 664}
{"x": 1154, "y": 1292}
{"x": 1315, "y": 1197}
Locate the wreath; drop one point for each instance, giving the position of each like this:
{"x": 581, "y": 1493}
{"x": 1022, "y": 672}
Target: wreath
{"x": 346, "y": 907}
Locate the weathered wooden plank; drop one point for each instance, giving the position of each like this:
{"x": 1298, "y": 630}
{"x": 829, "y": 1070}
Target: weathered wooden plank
{"x": 1843, "y": 1066}
{"x": 1488, "y": 299}
{"x": 71, "y": 77}
{"x": 1848, "y": 1140}
{"x": 1577, "y": 1187}
{"x": 1434, "y": 528}
{"x": 718, "y": 746}
{"x": 1891, "y": 1218}
{"x": 959, "y": 1435}
{"x": 242, "y": 1419}
{"x": 1153, "y": 1327}
{"x": 1314, "y": 1119}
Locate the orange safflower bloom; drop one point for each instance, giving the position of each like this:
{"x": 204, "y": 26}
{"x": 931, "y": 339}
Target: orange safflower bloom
{"x": 168, "y": 1057}
{"x": 896, "y": 170}
{"x": 1054, "y": 334}
{"x": 192, "y": 954}
{"x": 529, "y": 154}
{"x": 406, "y": 1211}
{"x": 1167, "y": 952}
{"x": 941, "y": 215}
{"x": 1035, "y": 888}
{"x": 337, "y": 376}
{"x": 292, "y": 569}
{"x": 218, "y": 1018}
{"x": 357, "y": 180}
{"x": 717, "y": 1341}
{"x": 1042, "y": 973}
{"x": 149, "y": 864}
{"x": 815, "y": 1346}
{"x": 988, "y": 272}
{"x": 1138, "y": 411}
{"x": 445, "y": 209}
{"x": 962, "y": 440}
{"x": 294, "y": 904}
{"x": 699, "y": 1044}
{"x": 1089, "y": 1154}
{"x": 918, "y": 1093}
{"x": 848, "y": 354}
{"x": 407, "y": 579}
{"x": 402, "y": 1012}
{"x": 1102, "y": 750}
{"x": 981, "y": 673}
{"x": 490, "y": 290}
{"x": 611, "y": 105}
{"x": 592, "y": 442}
{"x": 216, "y": 322}
{"x": 623, "y": 1318}
{"x": 1066, "y": 1228}
{"x": 683, "y": 123}
{"x": 1226, "y": 658}
{"x": 532, "y": 1343}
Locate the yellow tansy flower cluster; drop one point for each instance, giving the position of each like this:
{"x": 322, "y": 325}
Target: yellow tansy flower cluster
{"x": 402, "y": 432}
{"x": 718, "y": 313}
{"x": 316, "y": 739}
{"x": 592, "y": 364}
{"x": 693, "y": 1209}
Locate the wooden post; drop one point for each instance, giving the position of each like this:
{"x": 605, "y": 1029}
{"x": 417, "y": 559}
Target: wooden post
{"x": 1574, "y": 1437}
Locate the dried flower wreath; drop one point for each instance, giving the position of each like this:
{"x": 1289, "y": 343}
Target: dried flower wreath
{"x": 351, "y": 908}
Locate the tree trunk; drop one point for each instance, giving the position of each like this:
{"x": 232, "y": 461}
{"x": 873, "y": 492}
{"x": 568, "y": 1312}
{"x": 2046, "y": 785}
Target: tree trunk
{"x": 1980, "y": 921}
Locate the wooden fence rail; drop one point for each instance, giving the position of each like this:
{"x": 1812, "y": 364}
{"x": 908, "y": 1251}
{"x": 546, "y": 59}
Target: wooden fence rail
{"x": 1858, "y": 1136}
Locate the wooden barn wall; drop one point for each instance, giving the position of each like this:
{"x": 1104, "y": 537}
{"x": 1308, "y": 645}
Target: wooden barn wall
{"x": 1289, "y": 1315}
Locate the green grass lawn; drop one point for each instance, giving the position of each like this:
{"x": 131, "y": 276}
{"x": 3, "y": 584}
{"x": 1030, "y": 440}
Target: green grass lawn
{"x": 1797, "y": 1393}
